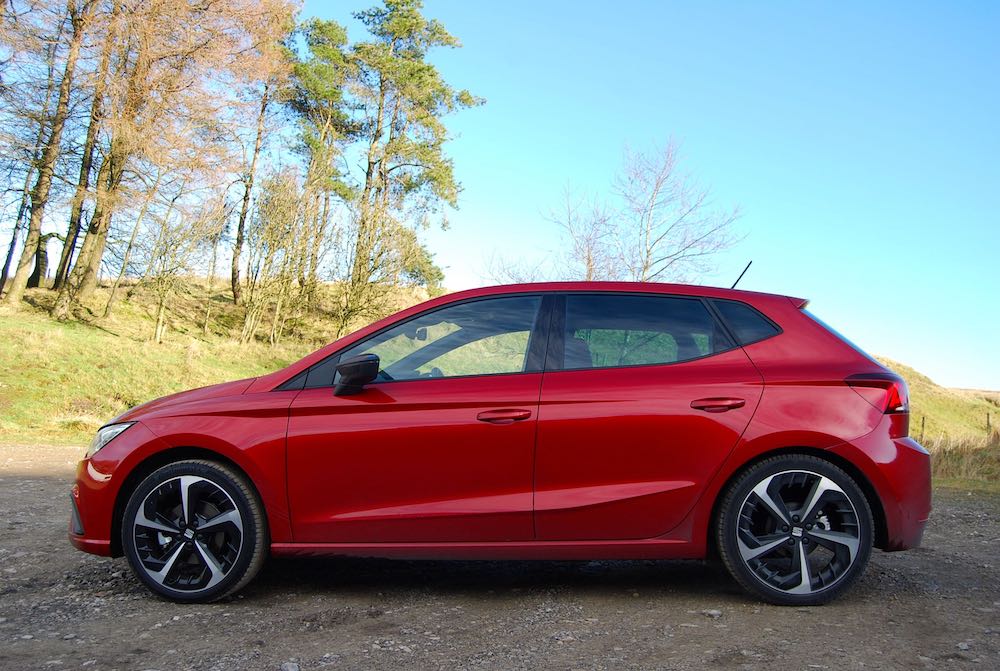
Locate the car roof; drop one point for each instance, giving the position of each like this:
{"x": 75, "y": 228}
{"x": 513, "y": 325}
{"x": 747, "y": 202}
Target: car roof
{"x": 613, "y": 287}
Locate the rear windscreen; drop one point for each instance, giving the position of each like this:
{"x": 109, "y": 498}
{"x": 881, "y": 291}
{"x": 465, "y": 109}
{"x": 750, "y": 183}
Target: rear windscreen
{"x": 839, "y": 335}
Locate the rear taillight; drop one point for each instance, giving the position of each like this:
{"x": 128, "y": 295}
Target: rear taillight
{"x": 888, "y": 393}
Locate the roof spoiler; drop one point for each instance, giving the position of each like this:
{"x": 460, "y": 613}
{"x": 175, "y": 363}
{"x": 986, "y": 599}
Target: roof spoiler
{"x": 799, "y": 303}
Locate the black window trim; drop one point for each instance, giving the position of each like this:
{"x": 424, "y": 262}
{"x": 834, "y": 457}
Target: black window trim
{"x": 557, "y": 334}
{"x": 537, "y": 343}
{"x": 732, "y": 334}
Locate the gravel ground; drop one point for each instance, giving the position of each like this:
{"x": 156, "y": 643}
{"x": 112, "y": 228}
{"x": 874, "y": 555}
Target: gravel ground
{"x": 936, "y": 607}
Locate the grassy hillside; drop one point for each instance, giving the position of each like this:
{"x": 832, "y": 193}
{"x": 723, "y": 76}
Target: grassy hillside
{"x": 60, "y": 382}
{"x": 947, "y": 413}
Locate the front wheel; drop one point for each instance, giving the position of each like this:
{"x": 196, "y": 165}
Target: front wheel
{"x": 795, "y": 530}
{"x": 194, "y": 531}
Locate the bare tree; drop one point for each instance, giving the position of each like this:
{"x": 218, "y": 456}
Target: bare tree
{"x": 79, "y": 17}
{"x": 588, "y": 229}
{"x": 668, "y": 227}
{"x": 271, "y": 241}
{"x": 175, "y": 59}
{"x": 248, "y": 181}
{"x": 89, "y": 145}
{"x": 505, "y": 270}
{"x": 660, "y": 226}
{"x": 36, "y": 127}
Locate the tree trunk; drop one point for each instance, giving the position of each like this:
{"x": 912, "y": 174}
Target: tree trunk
{"x": 41, "y": 270}
{"x": 245, "y": 207}
{"x": 131, "y": 243}
{"x": 35, "y": 158}
{"x": 161, "y": 324}
{"x": 22, "y": 208}
{"x": 87, "y": 160}
{"x": 46, "y": 168}
{"x": 93, "y": 243}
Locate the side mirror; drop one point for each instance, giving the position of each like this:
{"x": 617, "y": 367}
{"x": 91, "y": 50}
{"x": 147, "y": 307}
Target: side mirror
{"x": 355, "y": 372}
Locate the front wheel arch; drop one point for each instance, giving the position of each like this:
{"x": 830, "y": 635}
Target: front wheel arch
{"x": 150, "y": 464}
{"x": 871, "y": 495}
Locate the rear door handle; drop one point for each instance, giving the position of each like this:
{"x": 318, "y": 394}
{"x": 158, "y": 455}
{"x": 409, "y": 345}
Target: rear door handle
{"x": 718, "y": 404}
{"x": 503, "y": 416}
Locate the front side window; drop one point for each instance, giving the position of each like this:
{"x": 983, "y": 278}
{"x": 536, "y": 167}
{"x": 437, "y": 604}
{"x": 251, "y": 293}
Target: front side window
{"x": 483, "y": 337}
{"x": 621, "y": 330}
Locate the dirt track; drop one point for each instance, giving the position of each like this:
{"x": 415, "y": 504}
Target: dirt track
{"x": 936, "y": 607}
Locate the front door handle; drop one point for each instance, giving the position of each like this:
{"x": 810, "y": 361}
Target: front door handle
{"x": 718, "y": 404}
{"x": 503, "y": 416}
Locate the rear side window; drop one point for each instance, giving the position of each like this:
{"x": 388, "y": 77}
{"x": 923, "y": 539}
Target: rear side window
{"x": 746, "y": 323}
{"x": 618, "y": 330}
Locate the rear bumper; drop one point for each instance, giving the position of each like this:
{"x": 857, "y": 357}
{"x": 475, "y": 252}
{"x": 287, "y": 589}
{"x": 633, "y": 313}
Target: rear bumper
{"x": 911, "y": 482}
{"x": 900, "y": 471}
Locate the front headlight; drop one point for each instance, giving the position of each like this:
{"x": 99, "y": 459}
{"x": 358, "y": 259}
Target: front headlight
{"x": 105, "y": 435}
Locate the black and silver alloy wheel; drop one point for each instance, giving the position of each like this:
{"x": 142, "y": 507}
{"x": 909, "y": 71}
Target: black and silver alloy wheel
{"x": 795, "y": 530}
{"x": 194, "y": 531}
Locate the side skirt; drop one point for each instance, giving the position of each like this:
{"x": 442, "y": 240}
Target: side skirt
{"x": 564, "y": 550}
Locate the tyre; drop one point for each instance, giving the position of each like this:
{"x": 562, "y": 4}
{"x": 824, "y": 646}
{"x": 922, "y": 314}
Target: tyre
{"x": 795, "y": 530}
{"x": 194, "y": 531}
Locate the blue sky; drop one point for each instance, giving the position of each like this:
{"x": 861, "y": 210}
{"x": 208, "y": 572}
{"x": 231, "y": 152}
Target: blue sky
{"x": 861, "y": 143}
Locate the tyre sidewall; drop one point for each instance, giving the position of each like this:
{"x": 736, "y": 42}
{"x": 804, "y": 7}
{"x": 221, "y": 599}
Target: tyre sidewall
{"x": 224, "y": 479}
{"x": 729, "y": 518}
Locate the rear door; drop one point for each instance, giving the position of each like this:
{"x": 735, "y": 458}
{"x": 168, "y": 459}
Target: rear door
{"x": 643, "y": 397}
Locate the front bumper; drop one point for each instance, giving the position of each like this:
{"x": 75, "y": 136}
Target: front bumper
{"x": 98, "y": 481}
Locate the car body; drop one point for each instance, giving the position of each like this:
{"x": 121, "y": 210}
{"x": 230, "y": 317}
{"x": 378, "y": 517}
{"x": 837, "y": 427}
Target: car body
{"x": 613, "y": 440}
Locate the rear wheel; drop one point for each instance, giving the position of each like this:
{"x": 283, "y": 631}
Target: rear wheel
{"x": 795, "y": 530}
{"x": 194, "y": 531}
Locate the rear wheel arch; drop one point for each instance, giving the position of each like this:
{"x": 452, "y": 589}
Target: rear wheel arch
{"x": 871, "y": 495}
{"x": 147, "y": 466}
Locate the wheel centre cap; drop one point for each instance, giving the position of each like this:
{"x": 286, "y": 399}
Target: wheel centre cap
{"x": 189, "y": 533}
{"x": 797, "y": 532}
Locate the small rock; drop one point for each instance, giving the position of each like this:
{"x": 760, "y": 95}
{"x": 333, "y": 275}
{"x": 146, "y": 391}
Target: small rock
{"x": 963, "y": 646}
{"x": 712, "y": 613}
{"x": 289, "y": 666}
{"x": 26, "y": 637}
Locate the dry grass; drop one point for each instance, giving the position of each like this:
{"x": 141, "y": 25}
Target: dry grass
{"x": 966, "y": 462}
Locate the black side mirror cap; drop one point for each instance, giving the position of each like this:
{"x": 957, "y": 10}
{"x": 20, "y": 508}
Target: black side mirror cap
{"x": 355, "y": 372}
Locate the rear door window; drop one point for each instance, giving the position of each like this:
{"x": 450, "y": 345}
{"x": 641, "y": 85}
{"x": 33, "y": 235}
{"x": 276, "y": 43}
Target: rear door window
{"x": 615, "y": 330}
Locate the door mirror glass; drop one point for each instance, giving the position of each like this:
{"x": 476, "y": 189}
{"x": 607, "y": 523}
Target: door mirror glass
{"x": 355, "y": 372}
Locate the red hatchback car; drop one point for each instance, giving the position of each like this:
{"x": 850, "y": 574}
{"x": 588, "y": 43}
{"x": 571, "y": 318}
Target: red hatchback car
{"x": 536, "y": 421}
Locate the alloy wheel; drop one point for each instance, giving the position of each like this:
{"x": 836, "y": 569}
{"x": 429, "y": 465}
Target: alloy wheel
{"x": 798, "y": 532}
{"x": 187, "y": 534}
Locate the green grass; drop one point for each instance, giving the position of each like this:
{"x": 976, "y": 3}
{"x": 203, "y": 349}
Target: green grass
{"x": 60, "y": 382}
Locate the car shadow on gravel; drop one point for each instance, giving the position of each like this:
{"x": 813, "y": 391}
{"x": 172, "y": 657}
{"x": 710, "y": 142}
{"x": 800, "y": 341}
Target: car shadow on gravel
{"x": 491, "y": 578}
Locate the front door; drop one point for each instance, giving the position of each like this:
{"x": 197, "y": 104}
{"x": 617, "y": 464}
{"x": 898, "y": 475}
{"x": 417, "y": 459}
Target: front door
{"x": 644, "y": 396}
{"x": 439, "y": 448}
